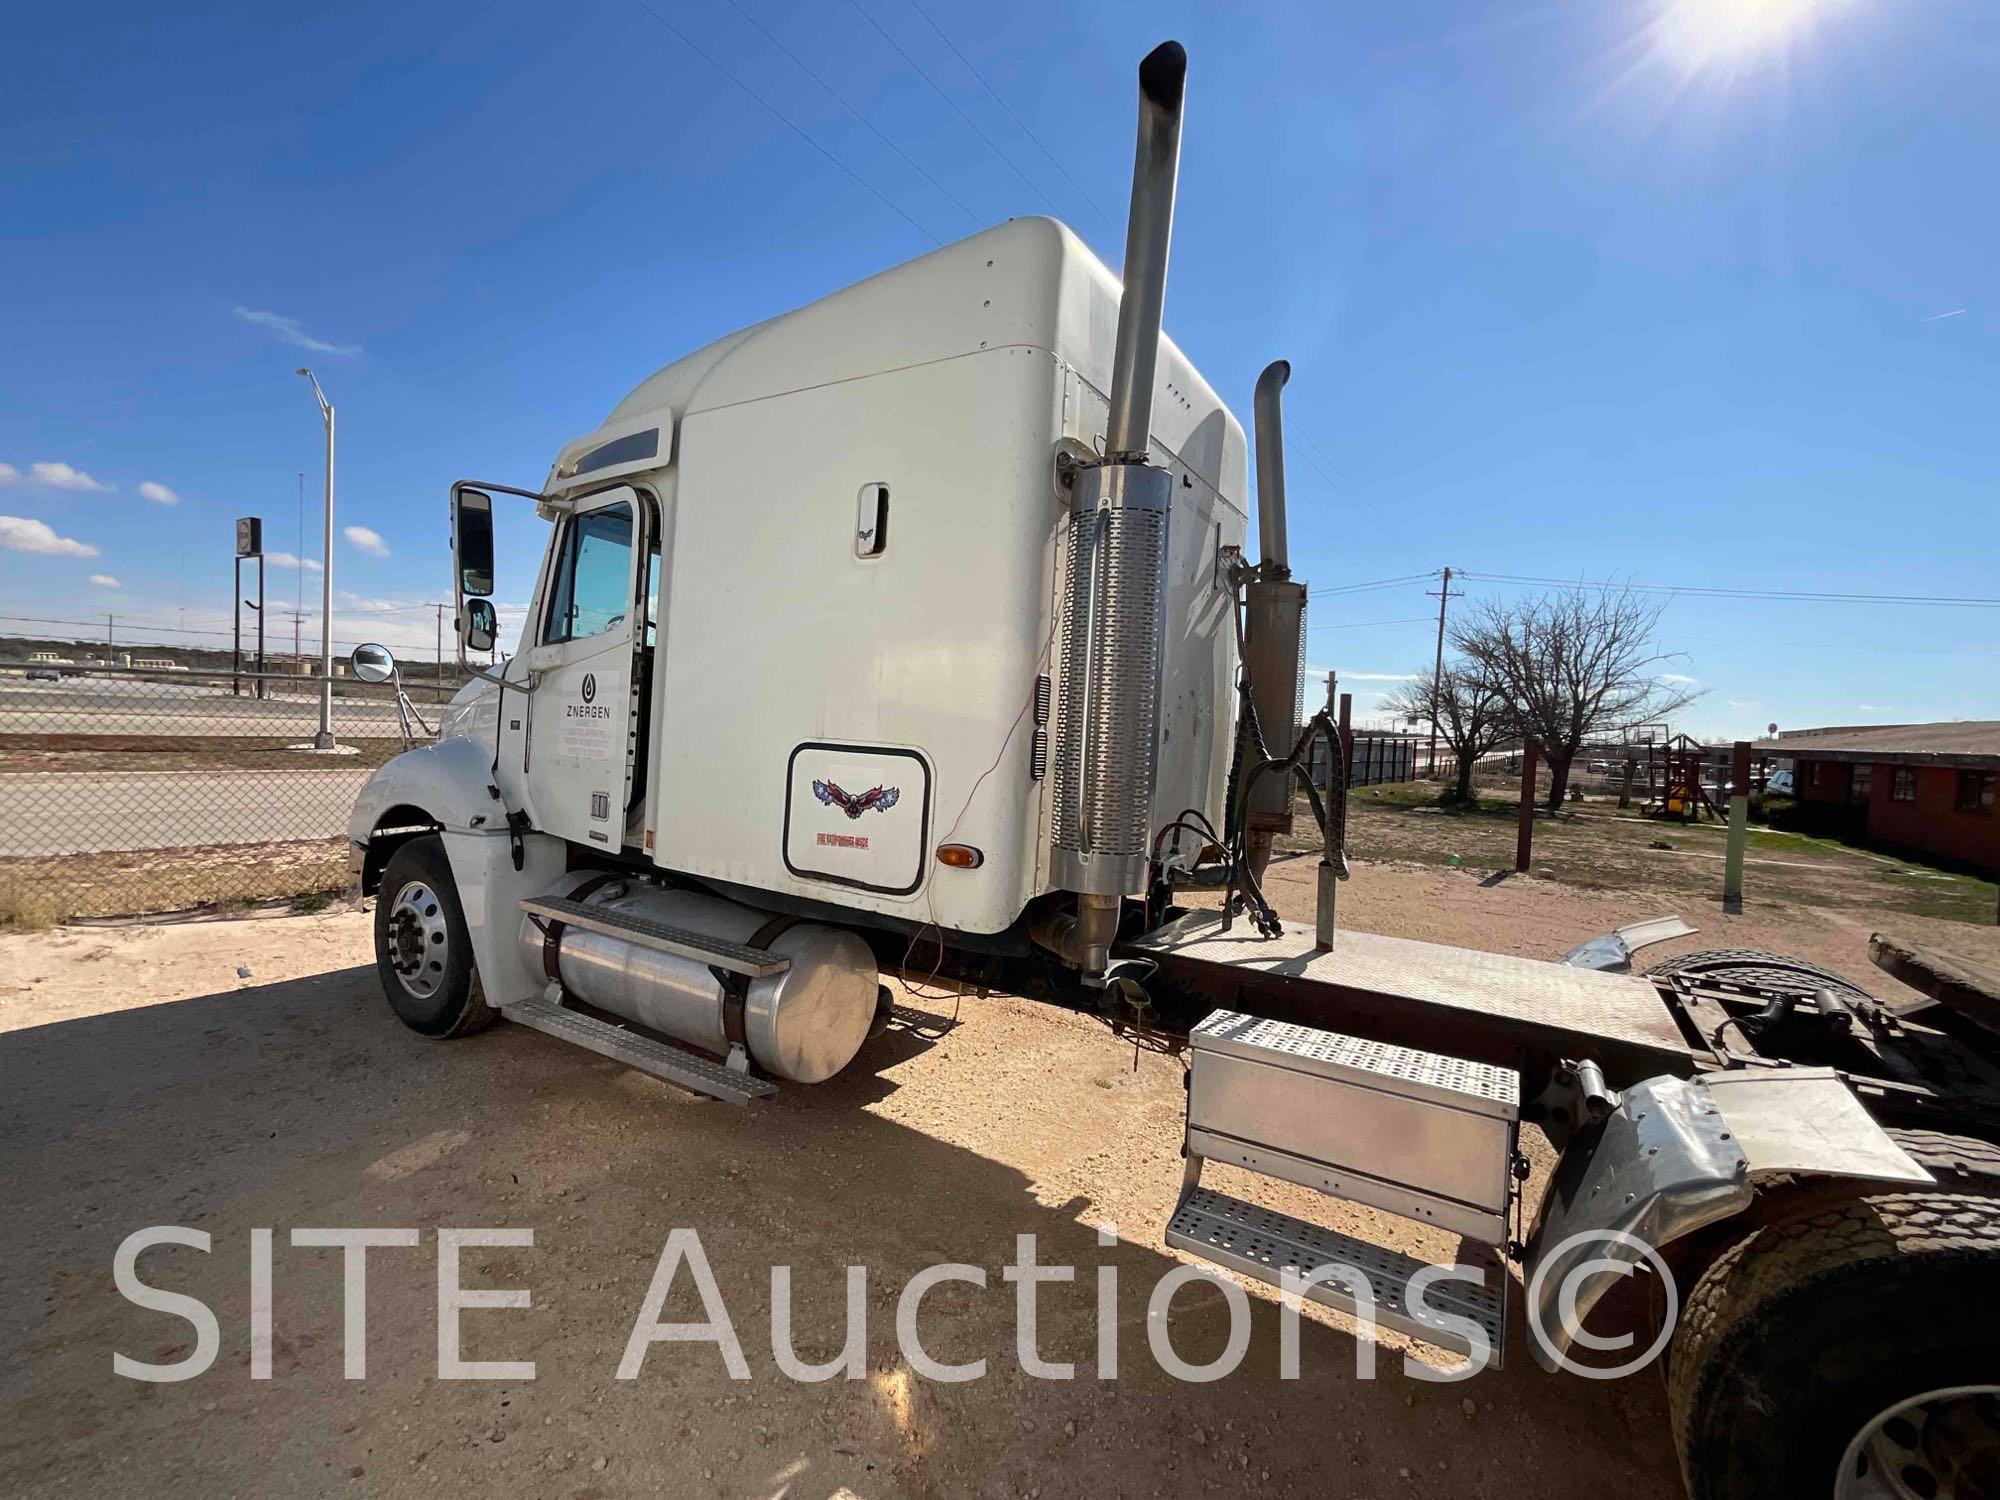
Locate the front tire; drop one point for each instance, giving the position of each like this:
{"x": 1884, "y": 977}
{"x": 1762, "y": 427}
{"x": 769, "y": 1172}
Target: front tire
{"x": 1846, "y": 1353}
{"x": 423, "y": 950}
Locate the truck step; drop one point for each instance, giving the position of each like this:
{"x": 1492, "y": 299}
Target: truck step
{"x": 1420, "y": 1134}
{"x": 757, "y": 963}
{"x": 673, "y": 1064}
{"x": 1264, "y": 1243}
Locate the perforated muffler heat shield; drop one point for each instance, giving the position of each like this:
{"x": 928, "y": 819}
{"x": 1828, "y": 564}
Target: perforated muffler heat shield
{"x": 1108, "y": 709}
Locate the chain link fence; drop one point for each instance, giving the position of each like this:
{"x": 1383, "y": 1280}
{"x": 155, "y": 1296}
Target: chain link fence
{"x": 157, "y": 787}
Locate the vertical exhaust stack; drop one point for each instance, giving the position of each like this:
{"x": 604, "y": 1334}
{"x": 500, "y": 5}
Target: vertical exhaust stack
{"x": 1107, "y": 724}
{"x": 1274, "y": 627}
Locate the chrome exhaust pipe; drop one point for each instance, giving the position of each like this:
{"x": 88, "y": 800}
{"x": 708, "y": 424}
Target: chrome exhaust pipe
{"x": 1108, "y": 707}
{"x": 1148, "y": 232}
{"x": 1274, "y": 627}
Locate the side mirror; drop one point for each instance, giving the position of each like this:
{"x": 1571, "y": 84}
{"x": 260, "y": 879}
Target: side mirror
{"x": 478, "y": 626}
{"x": 372, "y": 663}
{"x": 472, "y": 541}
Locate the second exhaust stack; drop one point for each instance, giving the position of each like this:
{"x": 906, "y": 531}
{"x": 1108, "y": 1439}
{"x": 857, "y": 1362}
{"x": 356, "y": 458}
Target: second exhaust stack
{"x": 1107, "y": 722}
{"x": 1273, "y": 627}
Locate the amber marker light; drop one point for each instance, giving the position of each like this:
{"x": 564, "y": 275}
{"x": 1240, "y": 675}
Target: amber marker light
{"x": 960, "y": 856}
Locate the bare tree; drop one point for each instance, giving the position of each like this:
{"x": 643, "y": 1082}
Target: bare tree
{"x": 1471, "y": 711}
{"x": 1572, "y": 665}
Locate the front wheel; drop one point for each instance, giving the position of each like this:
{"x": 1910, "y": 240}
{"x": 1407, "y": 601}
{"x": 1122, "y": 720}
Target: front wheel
{"x": 1847, "y": 1353}
{"x": 423, "y": 950}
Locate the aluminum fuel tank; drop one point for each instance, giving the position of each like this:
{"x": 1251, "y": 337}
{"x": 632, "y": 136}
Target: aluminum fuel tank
{"x": 804, "y": 1025}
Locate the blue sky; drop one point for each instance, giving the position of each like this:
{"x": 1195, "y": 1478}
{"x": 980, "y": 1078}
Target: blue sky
{"x": 1629, "y": 289}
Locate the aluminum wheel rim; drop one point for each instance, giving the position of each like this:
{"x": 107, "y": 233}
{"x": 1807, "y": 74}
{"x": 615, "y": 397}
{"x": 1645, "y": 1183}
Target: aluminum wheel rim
{"x": 419, "y": 943}
{"x": 1942, "y": 1445}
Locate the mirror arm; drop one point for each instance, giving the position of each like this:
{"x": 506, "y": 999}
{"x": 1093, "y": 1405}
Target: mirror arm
{"x": 506, "y": 489}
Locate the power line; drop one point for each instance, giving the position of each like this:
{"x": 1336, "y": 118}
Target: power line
{"x": 1378, "y": 583}
{"x": 974, "y": 124}
{"x": 834, "y": 95}
{"x": 1103, "y": 212}
{"x": 1367, "y": 624}
{"x": 782, "y": 119}
{"x": 1795, "y": 596}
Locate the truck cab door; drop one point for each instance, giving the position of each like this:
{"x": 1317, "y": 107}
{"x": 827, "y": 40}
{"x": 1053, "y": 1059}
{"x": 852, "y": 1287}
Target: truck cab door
{"x": 583, "y": 713}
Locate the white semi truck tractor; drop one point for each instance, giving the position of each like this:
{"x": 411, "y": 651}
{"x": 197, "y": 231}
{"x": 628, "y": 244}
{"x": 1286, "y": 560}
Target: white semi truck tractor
{"x": 912, "y": 632}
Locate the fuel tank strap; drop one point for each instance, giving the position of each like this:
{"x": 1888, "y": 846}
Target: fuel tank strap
{"x": 552, "y": 935}
{"x": 736, "y": 987}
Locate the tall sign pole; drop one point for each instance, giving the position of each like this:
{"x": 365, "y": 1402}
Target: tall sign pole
{"x": 249, "y": 543}
{"x": 324, "y": 739}
{"x": 263, "y": 687}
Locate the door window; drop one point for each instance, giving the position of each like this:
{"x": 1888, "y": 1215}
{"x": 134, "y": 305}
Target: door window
{"x": 593, "y": 591}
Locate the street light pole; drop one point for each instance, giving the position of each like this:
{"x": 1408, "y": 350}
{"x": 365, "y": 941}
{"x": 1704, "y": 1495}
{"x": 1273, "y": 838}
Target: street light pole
{"x": 324, "y": 739}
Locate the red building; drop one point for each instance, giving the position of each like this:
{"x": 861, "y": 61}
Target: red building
{"x": 1925, "y": 788}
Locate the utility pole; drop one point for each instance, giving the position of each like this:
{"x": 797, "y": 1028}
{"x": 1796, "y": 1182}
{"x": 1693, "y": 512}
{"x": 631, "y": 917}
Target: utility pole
{"x": 1437, "y": 673}
{"x": 440, "y": 653}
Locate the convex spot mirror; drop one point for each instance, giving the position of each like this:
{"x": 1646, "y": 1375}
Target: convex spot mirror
{"x": 472, "y": 542}
{"x": 479, "y": 625}
{"x": 372, "y": 663}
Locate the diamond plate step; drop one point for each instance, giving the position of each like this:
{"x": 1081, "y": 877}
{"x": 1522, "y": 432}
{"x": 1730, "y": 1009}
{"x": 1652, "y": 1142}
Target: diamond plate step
{"x": 758, "y": 963}
{"x": 673, "y": 1064}
{"x": 1264, "y": 1243}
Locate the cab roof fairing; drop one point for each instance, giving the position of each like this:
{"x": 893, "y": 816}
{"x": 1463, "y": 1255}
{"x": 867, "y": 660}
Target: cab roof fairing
{"x": 1029, "y": 282}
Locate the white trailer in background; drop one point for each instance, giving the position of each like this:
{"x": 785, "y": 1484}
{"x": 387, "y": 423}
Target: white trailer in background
{"x": 913, "y": 631}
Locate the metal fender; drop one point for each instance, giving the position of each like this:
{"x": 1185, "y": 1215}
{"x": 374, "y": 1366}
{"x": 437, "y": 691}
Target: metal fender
{"x": 1677, "y": 1155}
{"x": 1613, "y": 951}
{"x": 449, "y": 782}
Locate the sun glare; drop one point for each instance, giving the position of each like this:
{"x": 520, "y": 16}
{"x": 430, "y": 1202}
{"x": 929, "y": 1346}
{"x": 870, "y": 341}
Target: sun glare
{"x": 1699, "y": 34}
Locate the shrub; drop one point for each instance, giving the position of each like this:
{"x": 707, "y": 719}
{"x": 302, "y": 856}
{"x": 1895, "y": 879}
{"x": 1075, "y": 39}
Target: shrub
{"x": 1777, "y": 812}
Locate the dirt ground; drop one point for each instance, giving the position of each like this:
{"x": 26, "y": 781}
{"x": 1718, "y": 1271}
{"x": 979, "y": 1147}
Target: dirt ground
{"x": 237, "y": 1073}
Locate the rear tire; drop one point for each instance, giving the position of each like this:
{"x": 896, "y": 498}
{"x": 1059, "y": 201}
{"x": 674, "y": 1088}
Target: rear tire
{"x": 423, "y": 950}
{"x": 1804, "y": 1337}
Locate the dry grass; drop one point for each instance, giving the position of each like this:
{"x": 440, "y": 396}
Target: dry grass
{"x": 1593, "y": 846}
{"x": 41, "y": 892}
{"x": 179, "y": 752}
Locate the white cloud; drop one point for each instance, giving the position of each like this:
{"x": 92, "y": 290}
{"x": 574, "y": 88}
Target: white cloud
{"x": 288, "y": 329}
{"x": 158, "y": 493}
{"x": 60, "y": 476}
{"x": 19, "y": 534}
{"x": 9, "y": 474}
{"x": 368, "y": 604}
{"x": 367, "y": 539}
{"x": 1320, "y": 674}
{"x": 1678, "y": 677}
{"x": 105, "y": 581}
{"x": 286, "y": 560}
{"x": 1742, "y": 702}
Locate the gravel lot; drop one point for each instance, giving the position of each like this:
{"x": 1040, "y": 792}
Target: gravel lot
{"x": 147, "y": 1083}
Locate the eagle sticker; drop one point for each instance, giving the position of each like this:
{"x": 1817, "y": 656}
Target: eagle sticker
{"x": 880, "y": 798}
